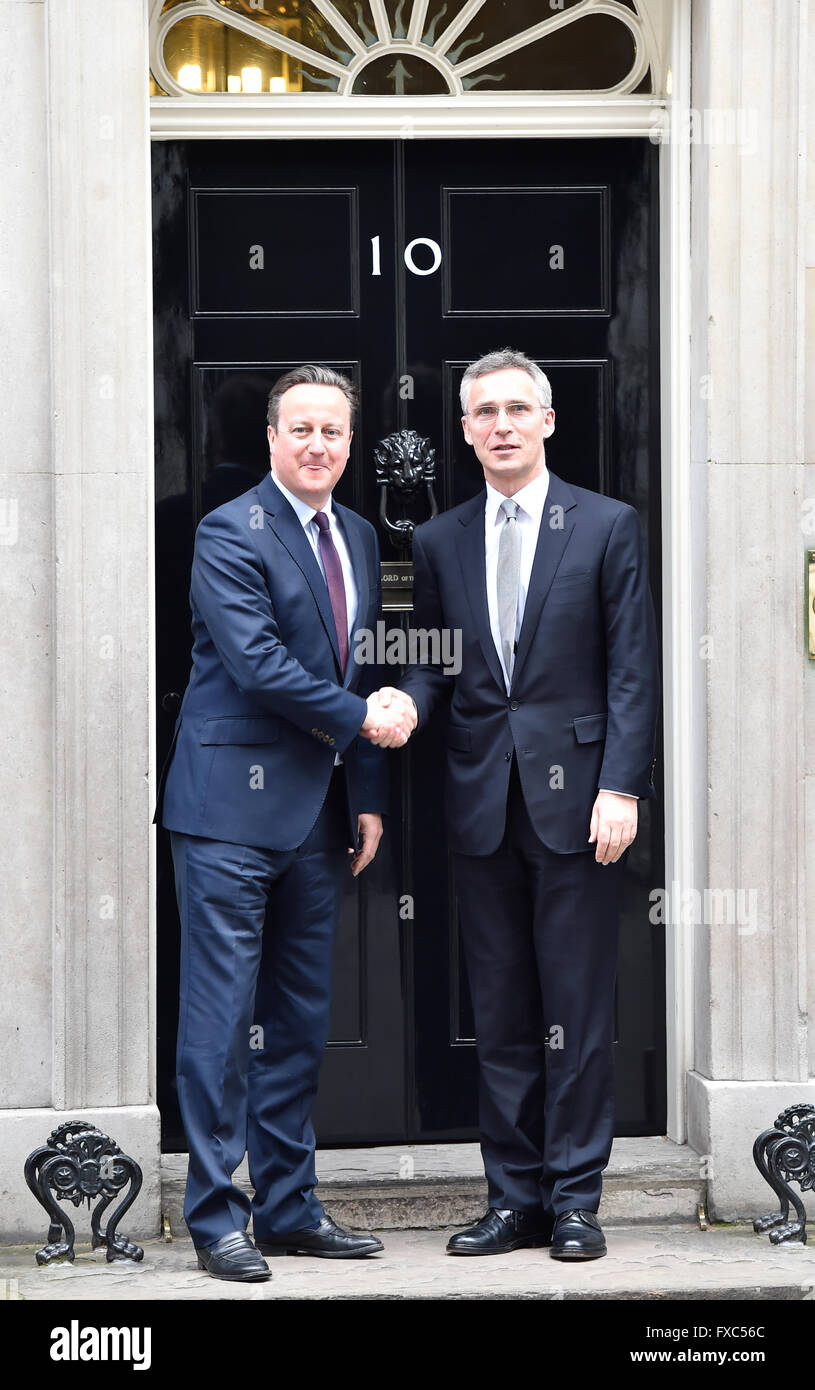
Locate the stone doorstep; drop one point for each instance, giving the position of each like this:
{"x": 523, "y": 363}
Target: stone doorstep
{"x": 665, "y": 1261}
{"x": 433, "y": 1186}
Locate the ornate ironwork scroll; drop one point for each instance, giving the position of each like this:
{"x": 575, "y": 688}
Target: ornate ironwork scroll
{"x": 785, "y": 1154}
{"x": 79, "y": 1163}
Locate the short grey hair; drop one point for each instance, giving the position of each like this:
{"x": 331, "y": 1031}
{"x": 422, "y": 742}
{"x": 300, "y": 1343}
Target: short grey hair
{"x": 310, "y": 374}
{"x": 499, "y": 361}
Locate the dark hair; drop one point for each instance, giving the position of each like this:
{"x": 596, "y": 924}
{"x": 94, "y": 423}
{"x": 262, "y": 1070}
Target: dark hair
{"x": 311, "y": 374}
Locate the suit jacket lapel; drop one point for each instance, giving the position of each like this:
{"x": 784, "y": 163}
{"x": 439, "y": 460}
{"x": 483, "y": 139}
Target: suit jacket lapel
{"x": 471, "y": 549}
{"x": 553, "y": 539}
{"x": 283, "y": 520}
{"x": 353, "y": 537}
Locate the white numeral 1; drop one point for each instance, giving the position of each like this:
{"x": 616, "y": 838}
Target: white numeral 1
{"x": 376, "y": 268}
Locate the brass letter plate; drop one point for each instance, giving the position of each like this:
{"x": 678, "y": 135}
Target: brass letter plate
{"x": 397, "y": 585}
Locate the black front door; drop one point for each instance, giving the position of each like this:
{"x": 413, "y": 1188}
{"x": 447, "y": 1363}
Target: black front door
{"x": 400, "y": 262}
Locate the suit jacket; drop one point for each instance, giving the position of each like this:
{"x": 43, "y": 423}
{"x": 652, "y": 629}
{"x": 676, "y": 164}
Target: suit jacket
{"x": 582, "y": 709}
{"x": 267, "y": 707}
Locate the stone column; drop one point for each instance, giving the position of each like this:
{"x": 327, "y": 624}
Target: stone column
{"x": 76, "y": 691}
{"x": 754, "y": 1033}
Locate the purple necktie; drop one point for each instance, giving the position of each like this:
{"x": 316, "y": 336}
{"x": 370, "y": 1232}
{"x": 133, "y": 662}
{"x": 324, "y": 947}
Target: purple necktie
{"x": 336, "y": 584}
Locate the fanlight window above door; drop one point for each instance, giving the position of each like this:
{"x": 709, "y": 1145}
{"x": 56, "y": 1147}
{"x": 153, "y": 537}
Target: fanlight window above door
{"x": 405, "y": 48}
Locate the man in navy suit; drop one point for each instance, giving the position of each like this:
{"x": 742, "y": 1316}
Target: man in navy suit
{"x": 265, "y": 788}
{"x": 550, "y": 743}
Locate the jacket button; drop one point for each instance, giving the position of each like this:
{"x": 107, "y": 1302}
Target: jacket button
{"x": 332, "y": 740}
{"x": 507, "y": 757}
{"x": 513, "y": 704}
{"x": 315, "y": 731}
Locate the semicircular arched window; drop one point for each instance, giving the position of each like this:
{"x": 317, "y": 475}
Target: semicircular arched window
{"x": 400, "y": 47}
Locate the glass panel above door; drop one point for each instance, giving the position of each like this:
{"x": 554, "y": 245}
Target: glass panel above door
{"x": 401, "y": 48}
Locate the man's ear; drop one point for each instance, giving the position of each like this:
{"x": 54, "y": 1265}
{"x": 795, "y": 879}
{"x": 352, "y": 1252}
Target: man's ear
{"x": 466, "y": 430}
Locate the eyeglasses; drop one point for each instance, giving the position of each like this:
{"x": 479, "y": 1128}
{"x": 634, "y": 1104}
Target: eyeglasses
{"x": 516, "y": 410}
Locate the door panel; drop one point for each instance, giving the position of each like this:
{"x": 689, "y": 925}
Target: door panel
{"x": 597, "y": 339}
{"x": 537, "y": 278}
{"x": 313, "y": 232}
{"x": 399, "y": 262}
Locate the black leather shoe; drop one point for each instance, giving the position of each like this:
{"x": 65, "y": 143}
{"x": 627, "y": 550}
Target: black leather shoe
{"x": 499, "y": 1231}
{"x": 233, "y": 1257}
{"x": 329, "y": 1241}
{"x": 578, "y": 1235}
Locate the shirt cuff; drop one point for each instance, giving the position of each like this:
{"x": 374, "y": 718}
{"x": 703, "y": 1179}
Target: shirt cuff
{"x": 630, "y": 795}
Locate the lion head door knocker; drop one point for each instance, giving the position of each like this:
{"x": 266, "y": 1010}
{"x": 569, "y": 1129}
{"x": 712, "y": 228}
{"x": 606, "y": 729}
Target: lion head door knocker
{"x": 79, "y": 1163}
{"x": 405, "y": 465}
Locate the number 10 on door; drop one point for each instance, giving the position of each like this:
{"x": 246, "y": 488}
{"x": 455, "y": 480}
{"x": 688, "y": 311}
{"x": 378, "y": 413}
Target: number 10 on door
{"x": 432, "y": 246}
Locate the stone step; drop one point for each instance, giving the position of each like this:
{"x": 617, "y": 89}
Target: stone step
{"x": 433, "y": 1186}
{"x": 664, "y": 1262}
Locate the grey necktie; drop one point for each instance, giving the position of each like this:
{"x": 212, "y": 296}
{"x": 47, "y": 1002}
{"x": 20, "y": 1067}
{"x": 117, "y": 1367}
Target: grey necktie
{"x": 509, "y": 578}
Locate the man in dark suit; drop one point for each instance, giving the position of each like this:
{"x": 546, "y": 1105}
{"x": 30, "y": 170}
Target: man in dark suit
{"x": 550, "y": 743}
{"x": 265, "y": 788}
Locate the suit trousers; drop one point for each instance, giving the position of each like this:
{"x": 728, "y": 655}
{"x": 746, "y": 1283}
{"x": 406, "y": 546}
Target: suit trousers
{"x": 257, "y": 939}
{"x": 540, "y": 934}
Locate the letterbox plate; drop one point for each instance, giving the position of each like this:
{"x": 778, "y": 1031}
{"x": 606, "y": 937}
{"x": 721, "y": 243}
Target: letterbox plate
{"x": 397, "y": 585}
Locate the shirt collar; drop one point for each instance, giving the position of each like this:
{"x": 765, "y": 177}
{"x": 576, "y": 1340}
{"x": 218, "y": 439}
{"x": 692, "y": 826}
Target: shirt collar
{"x": 305, "y": 511}
{"x": 530, "y": 498}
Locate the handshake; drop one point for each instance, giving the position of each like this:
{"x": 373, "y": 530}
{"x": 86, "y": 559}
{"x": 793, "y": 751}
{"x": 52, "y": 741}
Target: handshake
{"x": 391, "y": 718}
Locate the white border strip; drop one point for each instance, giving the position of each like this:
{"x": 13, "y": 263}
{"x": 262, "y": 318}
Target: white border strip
{"x": 327, "y": 116}
{"x": 679, "y": 661}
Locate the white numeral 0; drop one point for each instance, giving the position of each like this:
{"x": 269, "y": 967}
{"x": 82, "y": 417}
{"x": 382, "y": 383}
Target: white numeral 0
{"x": 434, "y": 247}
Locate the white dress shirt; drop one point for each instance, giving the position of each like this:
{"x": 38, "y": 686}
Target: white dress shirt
{"x": 305, "y": 515}
{"x": 531, "y": 500}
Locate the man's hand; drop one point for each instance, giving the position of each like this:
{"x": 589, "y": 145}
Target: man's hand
{"x": 370, "y": 833}
{"x": 391, "y": 718}
{"x": 613, "y": 825}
